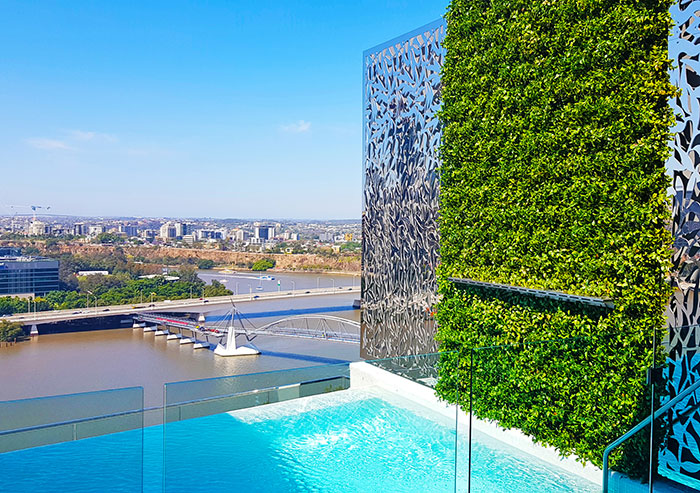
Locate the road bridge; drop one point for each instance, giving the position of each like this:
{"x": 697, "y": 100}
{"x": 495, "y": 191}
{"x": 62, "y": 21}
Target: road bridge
{"x": 194, "y": 305}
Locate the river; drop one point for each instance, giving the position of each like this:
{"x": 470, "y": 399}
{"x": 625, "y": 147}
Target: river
{"x": 83, "y": 361}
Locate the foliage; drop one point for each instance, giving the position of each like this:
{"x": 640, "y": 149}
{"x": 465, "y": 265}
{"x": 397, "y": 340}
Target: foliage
{"x": 263, "y": 264}
{"x": 9, "y": 305}
{"x": 10, "y": 331}
{"x": 350, "y": 246}
{"x": 205, "y": 264}
{"x": 216, "y": 289}
{"x": 555, "y": 136}
{"x": 108, "y": 238}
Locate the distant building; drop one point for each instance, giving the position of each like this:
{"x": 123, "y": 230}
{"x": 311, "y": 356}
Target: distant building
{"x": 325, "y": 237}
{"x": 189, "y": 239}
{"x": 38, "y": 228}
{"x": 182, "y": 229}
{"x": 264, "y": 232}
{"x": 97, "y": 229}
{"x": 210, "y": 234}
{"x": 79, "y": 229}
{"x": 291, "y": 236}
{"x": 128, "y": 229}
{"x": 242, "y": 236}
{"x": 28, "y": 276}
{"x": 149, "y": 234}
{"x": 93, "y": 273}
{"x": 168, "y": 231}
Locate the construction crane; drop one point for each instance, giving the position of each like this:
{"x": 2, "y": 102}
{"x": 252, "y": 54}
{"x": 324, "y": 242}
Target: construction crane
{"x": 32, "y": 207}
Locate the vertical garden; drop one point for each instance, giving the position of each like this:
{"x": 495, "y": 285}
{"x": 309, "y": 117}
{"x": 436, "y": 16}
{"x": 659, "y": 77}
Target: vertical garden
{"x": 555, "y": 134}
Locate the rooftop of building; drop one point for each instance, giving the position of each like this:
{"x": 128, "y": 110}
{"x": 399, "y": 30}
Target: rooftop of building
{"x": 23, "y": 258}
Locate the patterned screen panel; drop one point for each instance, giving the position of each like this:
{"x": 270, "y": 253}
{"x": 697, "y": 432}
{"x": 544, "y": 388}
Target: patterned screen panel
{"x": 400, "y": 247}
{"x": 680, "y": 458}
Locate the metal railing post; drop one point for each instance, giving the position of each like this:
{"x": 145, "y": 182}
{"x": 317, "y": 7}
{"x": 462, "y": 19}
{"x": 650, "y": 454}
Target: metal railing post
{"x": 640, "y": 426}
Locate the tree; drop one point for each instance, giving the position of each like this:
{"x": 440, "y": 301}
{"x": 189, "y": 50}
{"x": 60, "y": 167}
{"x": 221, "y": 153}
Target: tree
{"x": 188, "y": 273}
{"x": 10, "y": 331}
{"x": 216, "y": 289}
{"x": 205, "y": 264}
{"x": 263, "y": 264}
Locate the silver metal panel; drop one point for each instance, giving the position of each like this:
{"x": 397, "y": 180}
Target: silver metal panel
{"x": 400, "y": 247}
{"x": 680, "y": 458}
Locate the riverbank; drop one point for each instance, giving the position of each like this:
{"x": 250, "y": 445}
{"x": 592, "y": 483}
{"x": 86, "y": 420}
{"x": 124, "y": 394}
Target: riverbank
{"x": 347, "y": 263}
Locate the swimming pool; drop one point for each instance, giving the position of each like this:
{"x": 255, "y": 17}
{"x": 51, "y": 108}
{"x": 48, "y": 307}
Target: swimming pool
{"x": 350, "y": 440}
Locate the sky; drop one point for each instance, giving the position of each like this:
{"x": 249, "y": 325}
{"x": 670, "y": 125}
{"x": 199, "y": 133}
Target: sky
{"x": 245, "y": 109}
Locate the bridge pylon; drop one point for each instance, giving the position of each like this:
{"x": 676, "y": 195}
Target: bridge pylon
{"x": 231, "y": 349}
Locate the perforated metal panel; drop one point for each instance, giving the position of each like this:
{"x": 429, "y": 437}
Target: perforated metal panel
{"x": 680, "y": 458}
{"x": 400, "y": 247}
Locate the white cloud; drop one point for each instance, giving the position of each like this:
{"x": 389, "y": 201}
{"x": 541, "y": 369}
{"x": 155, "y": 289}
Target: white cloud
{"x": 83, "y": 136}
{"x": 297, "y": 128}
{"x": 48, "y": 144}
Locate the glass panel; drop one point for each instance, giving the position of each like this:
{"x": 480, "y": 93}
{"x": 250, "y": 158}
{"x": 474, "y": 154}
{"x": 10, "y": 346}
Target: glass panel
{"x": 539, "y": 389}
{"x": 91, "y": 441}
{"x": 347, "y": 427}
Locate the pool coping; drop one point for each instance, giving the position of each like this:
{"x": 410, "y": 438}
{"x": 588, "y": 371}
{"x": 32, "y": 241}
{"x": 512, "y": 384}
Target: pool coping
{"x": 364, "y": 374}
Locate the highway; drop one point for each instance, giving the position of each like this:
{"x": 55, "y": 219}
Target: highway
{"x": 194, "y": 305}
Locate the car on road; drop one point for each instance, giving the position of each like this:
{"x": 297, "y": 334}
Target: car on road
{"x": 76, "y": 313}
{"x": 105, "y": 310}
{"x": 206, "y": 301}
{"x": 307, "y": 292}
{"x": 152, "y": 304}
{"x": 256, "y": 297}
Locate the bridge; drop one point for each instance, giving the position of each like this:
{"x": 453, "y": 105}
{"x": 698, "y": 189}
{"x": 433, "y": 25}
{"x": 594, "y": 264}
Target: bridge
{"x": 193, "y": 305}
{"x": 223, "y": 333}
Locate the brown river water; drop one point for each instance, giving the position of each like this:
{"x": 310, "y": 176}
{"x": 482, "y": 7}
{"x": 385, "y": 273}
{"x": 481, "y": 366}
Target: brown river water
{"x": 84, "y": 361}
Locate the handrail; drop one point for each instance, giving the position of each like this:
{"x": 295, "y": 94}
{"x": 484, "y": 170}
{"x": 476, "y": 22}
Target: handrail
{"x": 76, "y": 421}
{"x": 249, "y": 392}
{"x": 646, "y": 421}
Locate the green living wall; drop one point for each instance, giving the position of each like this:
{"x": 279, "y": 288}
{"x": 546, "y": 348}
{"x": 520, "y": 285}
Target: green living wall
{"x": 556, "y": 129}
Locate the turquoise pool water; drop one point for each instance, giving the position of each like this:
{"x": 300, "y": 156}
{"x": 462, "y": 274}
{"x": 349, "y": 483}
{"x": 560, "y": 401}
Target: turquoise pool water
{"x": 350, "y": 441}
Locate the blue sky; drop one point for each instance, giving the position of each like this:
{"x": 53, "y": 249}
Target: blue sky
{"x": 189, "y": 108}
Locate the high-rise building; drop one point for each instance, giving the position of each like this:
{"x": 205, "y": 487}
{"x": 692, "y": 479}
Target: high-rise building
{"x": 79, "y": 229}
{"x": 29, "y": 276}
{"x": 242, "y": 235}
{"x": 38, "y": 228}
{"x": 128, "y": 229}
{"x": 168, "y": 231}
{"x": 264, "y": 232}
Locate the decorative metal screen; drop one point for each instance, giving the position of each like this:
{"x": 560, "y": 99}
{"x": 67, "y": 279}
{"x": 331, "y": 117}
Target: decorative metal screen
{"x": 400, "y": 247}
{"x": 680, "y": 458}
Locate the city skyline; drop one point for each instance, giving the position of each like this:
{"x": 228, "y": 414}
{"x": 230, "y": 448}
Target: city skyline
{"x": 181, "y": 110}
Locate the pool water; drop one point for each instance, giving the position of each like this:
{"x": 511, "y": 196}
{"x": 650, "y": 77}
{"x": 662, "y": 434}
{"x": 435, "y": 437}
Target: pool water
{"x": 348, "y": 441}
